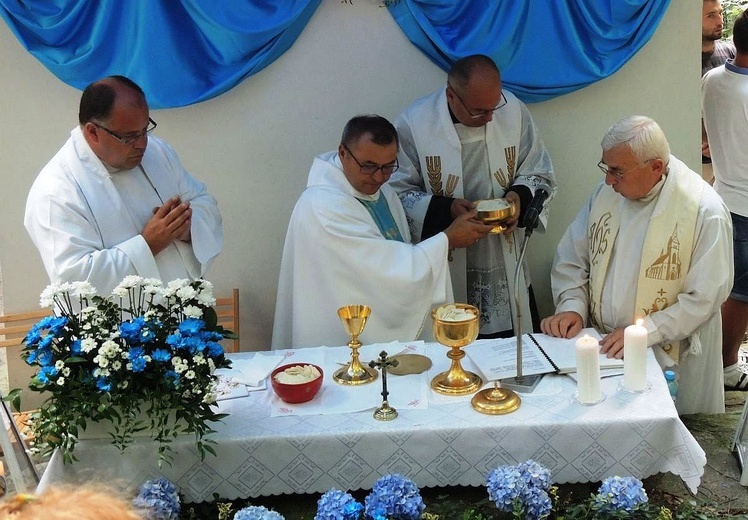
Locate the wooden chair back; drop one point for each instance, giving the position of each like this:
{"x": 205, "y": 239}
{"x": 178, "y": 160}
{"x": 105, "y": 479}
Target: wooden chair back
{"x": 227, "y": 310}
{"x": 14, "y": 327}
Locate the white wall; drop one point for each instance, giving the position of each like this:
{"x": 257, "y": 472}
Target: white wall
{"x": 253, "y": 145}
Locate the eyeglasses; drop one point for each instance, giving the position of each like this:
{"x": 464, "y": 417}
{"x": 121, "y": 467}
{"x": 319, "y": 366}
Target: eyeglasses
{"x": 618, "y": 175}
{"x": 129, "y": 138}
{"x": 371, "y": 169}
{"x": 483, "y": 112}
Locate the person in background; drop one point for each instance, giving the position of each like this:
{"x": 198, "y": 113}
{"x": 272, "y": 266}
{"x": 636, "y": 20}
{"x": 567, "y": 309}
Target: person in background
{"x": 653, "y": 241}
{"x": 469, "y": 141}
{"x": 714, "y": 52}
{"x": 348, "y": 243}
{"x": 116, "y": 201}
{"x": 724, "y": 102}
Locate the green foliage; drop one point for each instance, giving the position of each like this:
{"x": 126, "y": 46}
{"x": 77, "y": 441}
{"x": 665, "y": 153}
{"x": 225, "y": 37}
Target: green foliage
{"x": 731, "y": 9}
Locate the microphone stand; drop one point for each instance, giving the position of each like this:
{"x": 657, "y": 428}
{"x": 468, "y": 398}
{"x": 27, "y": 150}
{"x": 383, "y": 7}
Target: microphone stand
{"x": 521, "y": 383}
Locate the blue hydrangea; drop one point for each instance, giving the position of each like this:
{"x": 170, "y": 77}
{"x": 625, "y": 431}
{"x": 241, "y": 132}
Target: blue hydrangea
{"x": 504, "y": 486}
{"x": 394, "y": 497}
{"x": 620, "y": 493}
{"x": 536, "y": 503}
{"x": 338, "y": 505}
{"x": 535, "y": 475}
{"x": 524, "y": 485}
{"x": 158, "y": 500}
{"x": 257, "y": 513}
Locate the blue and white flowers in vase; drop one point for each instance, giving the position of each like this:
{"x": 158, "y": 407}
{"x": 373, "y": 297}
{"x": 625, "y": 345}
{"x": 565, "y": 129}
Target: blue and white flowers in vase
{"x": 140, "y": 359}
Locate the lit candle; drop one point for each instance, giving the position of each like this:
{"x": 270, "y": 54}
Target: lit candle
{"x": 635, "y": 357}
{"x": 588, "y": 370}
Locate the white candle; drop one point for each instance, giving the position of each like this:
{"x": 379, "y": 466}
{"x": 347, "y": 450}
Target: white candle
{"x": 635, "y": 357}
{"x": 588, "y": 370}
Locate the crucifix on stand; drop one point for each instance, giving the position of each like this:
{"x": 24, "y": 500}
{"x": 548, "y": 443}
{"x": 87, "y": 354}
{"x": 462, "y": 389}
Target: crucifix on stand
{"x": 384, "y": 412}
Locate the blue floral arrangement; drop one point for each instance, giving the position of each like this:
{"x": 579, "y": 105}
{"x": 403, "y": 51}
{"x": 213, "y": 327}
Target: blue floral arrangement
{"x": 521, "y": 489}
{"x": 257, "y": 513}
{"x": 158, "y": 500}
{"x": 620, "y": 493}
{"x": 140, "y": 359}
{"x": 338, "y": 505}
{"x": 393, "y": 497}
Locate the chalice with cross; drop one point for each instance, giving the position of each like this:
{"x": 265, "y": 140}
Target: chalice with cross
{"x": 353, "y": 318}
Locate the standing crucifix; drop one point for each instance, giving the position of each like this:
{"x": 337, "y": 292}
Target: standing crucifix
{"x": 384, "y": 412}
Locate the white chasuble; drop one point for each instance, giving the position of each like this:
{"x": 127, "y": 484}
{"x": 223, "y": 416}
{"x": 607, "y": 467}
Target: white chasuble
{"x": 335, "y": 254}
{"x": 86, "y": 221}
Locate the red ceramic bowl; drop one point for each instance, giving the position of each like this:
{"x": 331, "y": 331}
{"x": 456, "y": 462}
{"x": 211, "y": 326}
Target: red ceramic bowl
{"x": 300, "y": 393}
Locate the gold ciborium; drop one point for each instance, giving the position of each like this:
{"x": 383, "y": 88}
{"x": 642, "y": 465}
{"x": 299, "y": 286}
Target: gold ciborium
{"x": 354, "y": 319}
{"x": 495, "y": 211}
{"x": 455, "y": 335}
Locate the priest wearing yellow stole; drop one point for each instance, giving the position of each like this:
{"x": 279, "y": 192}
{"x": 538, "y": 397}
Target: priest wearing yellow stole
{"x": 654, "y": 241}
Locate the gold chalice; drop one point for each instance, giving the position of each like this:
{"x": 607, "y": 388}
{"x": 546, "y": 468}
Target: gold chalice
{"x": 495, "y": 211}
{"x": 455, "y": 335}
{"x": 354, "y": 319}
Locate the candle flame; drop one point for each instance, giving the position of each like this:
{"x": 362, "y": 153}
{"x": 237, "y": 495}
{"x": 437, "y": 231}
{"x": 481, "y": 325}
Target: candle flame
{"x": 640, "y": 322}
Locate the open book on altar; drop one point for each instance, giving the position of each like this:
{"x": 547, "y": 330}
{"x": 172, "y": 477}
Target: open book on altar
{"x": 541, "y": 354}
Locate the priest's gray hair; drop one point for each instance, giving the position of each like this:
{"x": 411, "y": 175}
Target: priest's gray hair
{"x": 641, "y": 134}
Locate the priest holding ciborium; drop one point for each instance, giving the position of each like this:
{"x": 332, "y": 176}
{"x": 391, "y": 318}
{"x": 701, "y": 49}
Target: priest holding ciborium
{"x": 348, "y": 243}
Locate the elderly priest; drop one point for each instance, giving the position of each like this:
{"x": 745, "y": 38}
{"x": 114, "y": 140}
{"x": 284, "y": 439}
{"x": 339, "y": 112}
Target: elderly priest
{"x": 348, "y": 243}
{"x": 653, "y": 241}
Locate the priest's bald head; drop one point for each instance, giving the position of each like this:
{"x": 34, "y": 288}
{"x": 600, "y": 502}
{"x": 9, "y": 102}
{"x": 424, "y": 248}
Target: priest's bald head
{"x": 474, "y": 90}
{"x": 368, "y": 152}
{"x": 114, "y": 118}
{"x": 636, "y": 155}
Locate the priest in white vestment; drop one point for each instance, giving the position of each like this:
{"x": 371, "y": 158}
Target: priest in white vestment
{"x": 464, "y": 143}
{"x": 115, "y": 201}
{"x": 654, "y": 241}
{"x": 348, "y": 243}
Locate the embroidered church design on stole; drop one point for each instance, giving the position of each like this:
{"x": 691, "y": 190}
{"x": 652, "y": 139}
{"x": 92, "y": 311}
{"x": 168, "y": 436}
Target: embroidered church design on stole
{"x": 667, "y": 266}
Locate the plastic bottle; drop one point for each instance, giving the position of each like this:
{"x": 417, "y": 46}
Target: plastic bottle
{"x": 672, "y": 384}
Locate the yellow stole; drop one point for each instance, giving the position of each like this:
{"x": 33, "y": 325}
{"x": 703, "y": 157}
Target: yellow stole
{"x": 666, "y": 253}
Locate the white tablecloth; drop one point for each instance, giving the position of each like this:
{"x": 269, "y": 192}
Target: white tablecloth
{"x": 447, "y": 443}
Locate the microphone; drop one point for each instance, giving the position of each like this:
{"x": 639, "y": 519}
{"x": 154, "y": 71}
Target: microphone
{"x": 530, "y": 220}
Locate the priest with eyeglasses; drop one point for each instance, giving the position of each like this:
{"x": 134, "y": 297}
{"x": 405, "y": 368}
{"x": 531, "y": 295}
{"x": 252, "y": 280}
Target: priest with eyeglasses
{"x": 116, "y": 201}
{"x": 348, "y": 242}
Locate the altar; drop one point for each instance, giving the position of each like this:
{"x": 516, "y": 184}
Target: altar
{"x": 266, "y": 449}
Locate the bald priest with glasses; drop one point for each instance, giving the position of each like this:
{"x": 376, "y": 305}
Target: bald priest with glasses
{"x": 348, "y": 243}
{"x": 652, "y": 242}
{"x": 115, "y": 200}
{"x": 469, "y": 141}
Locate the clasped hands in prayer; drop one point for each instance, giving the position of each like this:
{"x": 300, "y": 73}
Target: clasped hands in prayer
{"x": 568, "y": 324}
{"x": 171, "y": 221}
{"x": 466, "y": 229}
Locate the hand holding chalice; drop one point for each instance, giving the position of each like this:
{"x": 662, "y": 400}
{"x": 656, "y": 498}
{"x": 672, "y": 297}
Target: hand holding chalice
{"x": 496, "y": 212}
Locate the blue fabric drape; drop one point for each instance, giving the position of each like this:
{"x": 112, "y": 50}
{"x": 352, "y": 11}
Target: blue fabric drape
{"x": 179, "y": 51}
{"x": 544, "y": 48}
